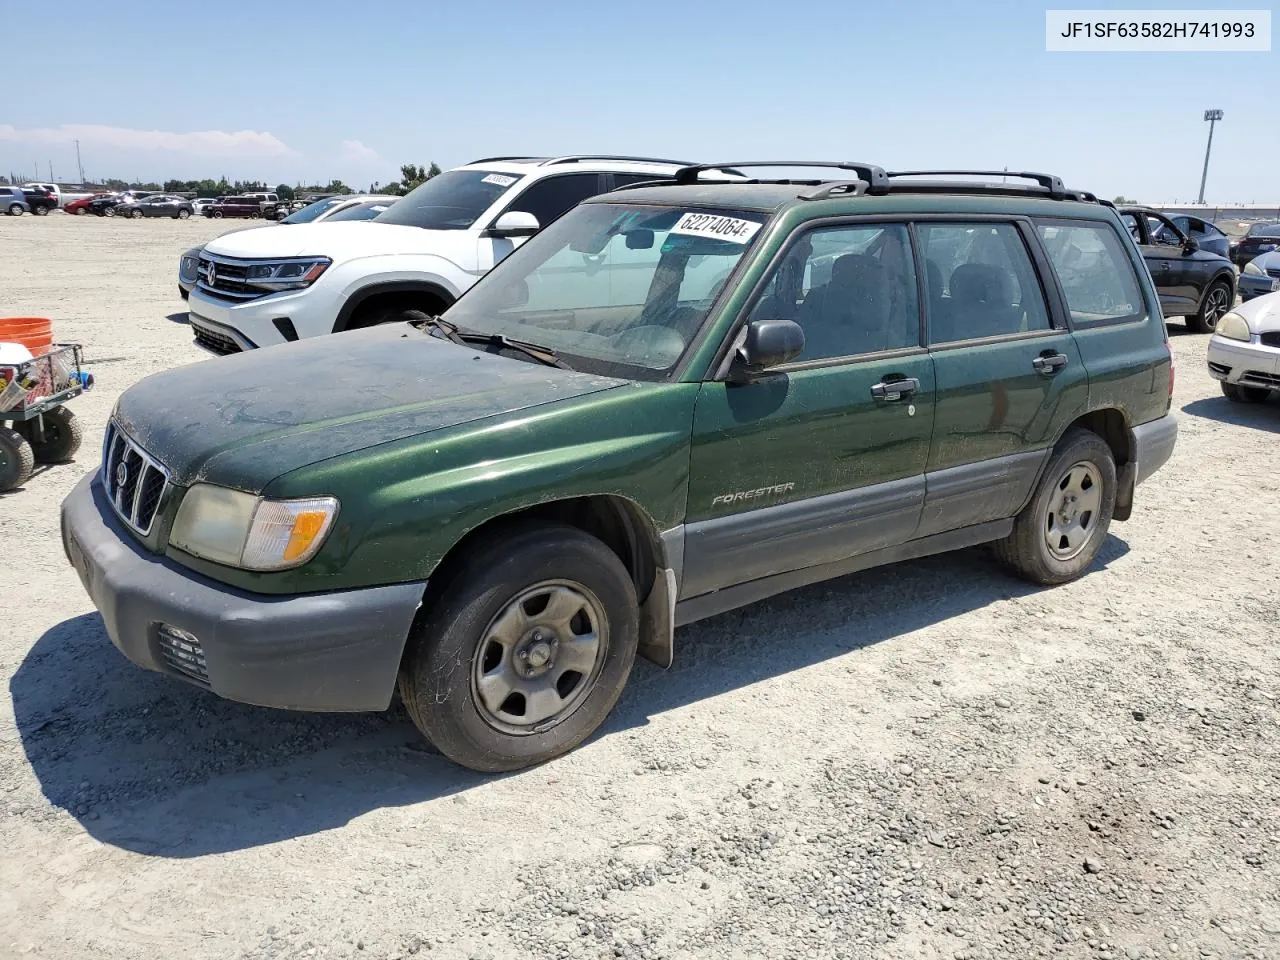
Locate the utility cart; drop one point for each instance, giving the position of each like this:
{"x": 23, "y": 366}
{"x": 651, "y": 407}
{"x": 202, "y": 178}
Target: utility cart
{"x": 35, "y": 427}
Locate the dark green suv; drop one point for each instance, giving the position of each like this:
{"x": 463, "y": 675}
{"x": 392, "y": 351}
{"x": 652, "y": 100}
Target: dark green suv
{"x": 673, "y": 401}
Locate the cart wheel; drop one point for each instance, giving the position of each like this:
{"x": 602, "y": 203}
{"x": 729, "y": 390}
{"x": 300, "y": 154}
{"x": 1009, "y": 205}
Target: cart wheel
{"x": 16, "y": 459}
{"x": 62, "y": 435}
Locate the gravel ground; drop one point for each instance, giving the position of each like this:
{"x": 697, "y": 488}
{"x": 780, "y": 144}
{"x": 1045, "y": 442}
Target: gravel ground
{"x": 930, "y": 760}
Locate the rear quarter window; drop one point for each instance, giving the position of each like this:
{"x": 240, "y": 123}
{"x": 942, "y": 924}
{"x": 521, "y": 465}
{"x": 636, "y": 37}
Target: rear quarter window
{"x": 1094, "y": 270}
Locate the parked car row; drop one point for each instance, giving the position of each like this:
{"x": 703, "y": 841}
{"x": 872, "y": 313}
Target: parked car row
{"x": 15, "y": 201}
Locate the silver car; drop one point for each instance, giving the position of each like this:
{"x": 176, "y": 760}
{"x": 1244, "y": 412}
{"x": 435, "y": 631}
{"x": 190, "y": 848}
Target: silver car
{"x": 1244, "y": 351}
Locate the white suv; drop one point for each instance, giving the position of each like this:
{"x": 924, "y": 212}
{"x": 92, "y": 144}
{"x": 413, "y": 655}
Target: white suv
{"x": 262, "y": 287}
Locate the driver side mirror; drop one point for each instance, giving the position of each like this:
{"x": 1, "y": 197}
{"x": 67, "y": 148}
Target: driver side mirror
{"x": 1190, "y": 245}
{"x": 767, "y": 343}
{"x": 514, "y": 223}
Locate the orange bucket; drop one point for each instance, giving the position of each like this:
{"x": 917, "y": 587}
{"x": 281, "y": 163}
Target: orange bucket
{"x": 34, "y": 333}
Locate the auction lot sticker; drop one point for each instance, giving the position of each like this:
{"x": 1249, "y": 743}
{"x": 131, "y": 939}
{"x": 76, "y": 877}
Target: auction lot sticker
{"x": 717, "y": 226}
{"x": 1157, "y": 31}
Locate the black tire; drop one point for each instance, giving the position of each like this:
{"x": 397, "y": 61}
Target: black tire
{"x": 217, "y": 214}
{"x": 16, "y": 459}
{"x": 136, "y": 214}
{"x": 15, "y": 210}
{"x": 40, "y": 211}
{"x": 182, "y": 214}
{"x": 1239, "y": 394}
{"x": 81, "y": 211}
{"x": 379, "y": 316}
{"x": 436, "y": 681}
{"x": 1027, "y": 550}
{"x": 63, "y": 433}
{"x": 1217, "y": 301}
{"x": 109, "y": 211}
{"x": 183, "y": 292}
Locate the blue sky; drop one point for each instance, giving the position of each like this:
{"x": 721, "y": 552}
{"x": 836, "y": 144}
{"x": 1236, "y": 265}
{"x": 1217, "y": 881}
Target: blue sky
{"x": 309, "y": 91}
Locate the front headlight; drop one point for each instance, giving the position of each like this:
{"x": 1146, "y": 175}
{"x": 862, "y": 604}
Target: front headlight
{"x": 240, "y": 530}
{"x": 286, "y": 274}
{"x": 1233, "y": 327}
{"x": 1254, "y": 269}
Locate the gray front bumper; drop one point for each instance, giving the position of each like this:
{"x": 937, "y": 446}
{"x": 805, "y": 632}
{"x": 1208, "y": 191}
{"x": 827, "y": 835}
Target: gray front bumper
{"x": 1153, "y": 445}
{"x": 324, "y": 651}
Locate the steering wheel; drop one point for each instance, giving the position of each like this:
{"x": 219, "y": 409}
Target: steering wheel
{"x": 649, "y": 345}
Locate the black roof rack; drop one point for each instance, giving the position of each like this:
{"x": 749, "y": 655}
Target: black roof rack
{"x": 578, "y": 158}
{"x": 875, "y": 177}
{"x": 1051, "y": 183}
{"x": 496, "y": 159}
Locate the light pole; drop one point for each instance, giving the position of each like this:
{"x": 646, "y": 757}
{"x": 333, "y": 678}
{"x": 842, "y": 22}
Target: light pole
{"x": 1213, "y": 116}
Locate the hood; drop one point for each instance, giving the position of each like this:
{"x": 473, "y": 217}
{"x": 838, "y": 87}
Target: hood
{"x": 245, "y": 419}
{"x": 341, "y": 241}
{"x": 1262, "y": 313}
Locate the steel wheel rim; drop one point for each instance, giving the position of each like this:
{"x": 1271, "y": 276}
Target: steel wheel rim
{"x": 1216, "y": 306}
{"x": 1073, "y": 511}
{"x": 539, "y": 657}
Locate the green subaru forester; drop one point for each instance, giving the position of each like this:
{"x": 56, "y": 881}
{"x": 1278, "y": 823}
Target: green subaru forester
{"x": 675, "y": 400}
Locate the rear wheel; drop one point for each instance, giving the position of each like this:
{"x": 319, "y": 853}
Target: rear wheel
{"x": 15, "y": 209}
{"x": 63, "y": 434}
{"x": 109, "y": 212}
{"x": 1057, "y": 535}
{"x": 1217, "y": 301}
{"x": 80, "y": 211}
{"x": 1233, "y": 391}
{"x": 16, "y": 459}
{"x": 40, "y": 211}
{"x": 525, "y": 652}
{"x": 183, "y": 213}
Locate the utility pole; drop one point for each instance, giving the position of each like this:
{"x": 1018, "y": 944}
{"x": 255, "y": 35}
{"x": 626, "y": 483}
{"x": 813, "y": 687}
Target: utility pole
{"x": 1213, "y": 116}
{"x": 79, "y": 164}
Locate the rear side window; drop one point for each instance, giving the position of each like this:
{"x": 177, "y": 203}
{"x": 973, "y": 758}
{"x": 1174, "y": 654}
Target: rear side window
{"x": 980, "y": 282}
{"x": 1096, "y": 275}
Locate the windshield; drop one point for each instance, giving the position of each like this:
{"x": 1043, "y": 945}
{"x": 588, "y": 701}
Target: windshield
{"x": 453, "y": 200}
{"x": 311, "y": 211}
{"x": 614, "y": 289}
{"x": 1265, "y": 230}
{"x": 362, "y": 211}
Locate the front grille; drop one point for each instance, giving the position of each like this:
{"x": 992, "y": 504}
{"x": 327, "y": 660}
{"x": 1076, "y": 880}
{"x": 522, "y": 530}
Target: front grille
{"x": 228, "y": 279}
{"x": 183, "y": 653}
{"x": 1273, "y": 272}
{"x": 133, "y": 481}
{"x": 1262, "y": 378}
{"x": 214, "y": 340}
{"x": 1272, "y": 338}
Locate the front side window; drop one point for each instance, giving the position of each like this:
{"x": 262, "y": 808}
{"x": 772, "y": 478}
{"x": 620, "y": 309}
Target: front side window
{"x": 550, "y": 198}
{"x": 614, "y": 288}
{"x": 852, "y": 290}
{"x": 454, "y": 200}
{"x": 1096, "y": 275}
{"x": 980, "y": 282}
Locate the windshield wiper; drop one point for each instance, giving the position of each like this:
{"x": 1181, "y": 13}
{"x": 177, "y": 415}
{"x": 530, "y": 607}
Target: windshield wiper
{"x": 452, "y": 332}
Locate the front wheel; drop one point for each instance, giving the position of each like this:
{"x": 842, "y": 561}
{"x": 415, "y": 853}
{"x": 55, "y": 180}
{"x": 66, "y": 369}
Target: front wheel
{"x": 526, "y": 650}
{"x": 1233, "y": 391}
{"x": 217, "y": 214}
{"x": 136, "y": 214}
{"x": 109, "y": 212}
{"x": 1059, "y": 533}
{"x": 1216, "y": 302}
{"x": 183, "y": 214}
{"x": 16, "y": 459}
{"x": 40, "y": 211}
{"x": 81, "y": 211}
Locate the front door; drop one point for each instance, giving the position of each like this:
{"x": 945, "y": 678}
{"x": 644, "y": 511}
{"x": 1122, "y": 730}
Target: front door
{"x": 824, "y": 457}
{"x": 1008, "y": 379}
{"x": 547, "y": 200}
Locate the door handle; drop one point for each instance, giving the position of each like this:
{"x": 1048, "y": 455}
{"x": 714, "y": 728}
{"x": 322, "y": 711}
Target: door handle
{"x": 1049, "y": 363}
{"x": 895, "y": 389}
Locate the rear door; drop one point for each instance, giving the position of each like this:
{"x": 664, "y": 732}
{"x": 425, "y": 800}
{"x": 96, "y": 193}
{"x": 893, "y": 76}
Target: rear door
{"x": 1009, "y": 374}
{"x": 824, "y": 457}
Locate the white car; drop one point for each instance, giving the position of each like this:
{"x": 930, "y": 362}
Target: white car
{"x": 1244, "y": 351}
{"x": 261, "y": 287}
{"x": 198, "y": 205}
{"x": 322, "y": 210}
